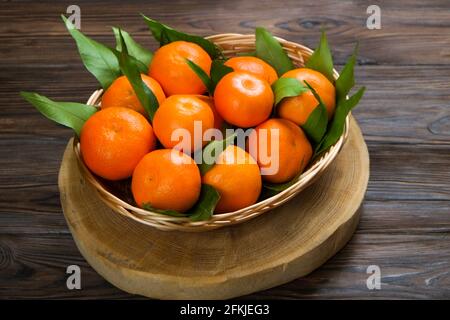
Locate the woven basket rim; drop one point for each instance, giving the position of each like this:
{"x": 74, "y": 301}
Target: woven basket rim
{"x": 165, "y": 222}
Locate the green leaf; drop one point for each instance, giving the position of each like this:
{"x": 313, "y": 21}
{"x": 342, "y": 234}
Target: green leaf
{"x": 202, "y": 75}
{"x": 270, "y": 50}
{"x": 173, "y": 213}
{"x": 165, "y": 34}
{"x": 204, "y": 208}
{"x": 212, "y": 151}
{"x": 142, "y": 55}
{"x": 97, "y": 58}
{"x": 316, "y": 124}
{"x": 218, "y": 71}
{"x": 164, "y": 39}
{"x": 287, "y": 87}
{"x": 338, "y": 122}
{"x": 346, "y": 79}
{"x": 69, "y": 114}
{"x": 131, "y": 71}
{"x": 321, "y": 59}
{"x": 278, "y": 187}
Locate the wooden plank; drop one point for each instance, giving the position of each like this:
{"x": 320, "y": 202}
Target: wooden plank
{"x": 412, "y": 217}
{"x": 405, "y": 104}
{"x": 406, "y": 27}
{"x": 402, "y": 172}
{"x": 410, "y": 243}
{"x": 412, "y": 266}
{"x": 35, "y": 267}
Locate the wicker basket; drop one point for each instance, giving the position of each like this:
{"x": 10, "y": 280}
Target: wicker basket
{"x": 231, "y": 44}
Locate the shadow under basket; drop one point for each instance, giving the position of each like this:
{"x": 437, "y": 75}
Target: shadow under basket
{"x": 118, "y": 197}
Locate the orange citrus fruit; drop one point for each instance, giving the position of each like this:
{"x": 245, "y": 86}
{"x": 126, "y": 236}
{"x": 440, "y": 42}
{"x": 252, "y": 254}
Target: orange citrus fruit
{"x": 170, "y": 69}
{"x": 291, "y": 149}
{"x": 298, "y": 109}
{"x": 218, "y": 121}
{"x": 121, "y": 94}
{"x": 254, "y": 66}
{"x": 243, "y": 99}
{"x": 166, "y": 179}
{"x": 182, "y": 112}
{"x": 114, "y": 140}
{"x": 235, "y": 175}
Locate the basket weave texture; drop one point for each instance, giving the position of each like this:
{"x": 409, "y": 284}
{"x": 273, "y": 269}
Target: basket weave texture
{"x": 231, "y": 44}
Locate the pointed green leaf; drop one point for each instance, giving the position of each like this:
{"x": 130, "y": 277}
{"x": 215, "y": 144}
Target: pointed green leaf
{"x": 346, "y": 79}
{"x": 337, "y": 124}
{"x": 321, "y": 59}
{"x": 275, "y": 188}
{"x": 204, "y": 208}
{"x": 270, "y": 50}
{"x": 287, "y": 87}
{"x": 316, "y": 124}
{"x": 97, "y": 58}
{"x": 69, "y": 114}
{"x": 164, "y": 38}
{"x": 142, "y": 55}
{"x": 218, "y": 71}
{"x": 165, "y": 34}
{"x": 202, "y": 75}
{"x": 131, "y": 71}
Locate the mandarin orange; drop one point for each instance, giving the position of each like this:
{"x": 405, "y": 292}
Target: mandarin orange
{"x": 253, "y": 65}
{"x": 235, "y": 175}
{"x": 121, "y": 94}
{"x": 114, "y": 140}
{"x": 218, "y": 121}
{"x": 166, "y": 179}
{"x": 243, "y": 99}
{"x": 291, "y": 149}
{"x": 170, "y": 69}
{"x": 175, "y": 120}
{"x": 298, "y": 109}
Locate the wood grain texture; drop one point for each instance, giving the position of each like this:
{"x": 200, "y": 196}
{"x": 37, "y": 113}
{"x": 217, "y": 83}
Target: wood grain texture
{"x": 405, "y": 118}
{"x": 406, "y": 26}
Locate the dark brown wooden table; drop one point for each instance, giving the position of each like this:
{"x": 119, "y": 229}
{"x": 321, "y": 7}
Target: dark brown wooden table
{"x": 405, "y": 117}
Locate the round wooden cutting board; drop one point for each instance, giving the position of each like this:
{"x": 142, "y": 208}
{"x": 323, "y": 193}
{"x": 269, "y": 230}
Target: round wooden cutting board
{"x": 272, "y": 249}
